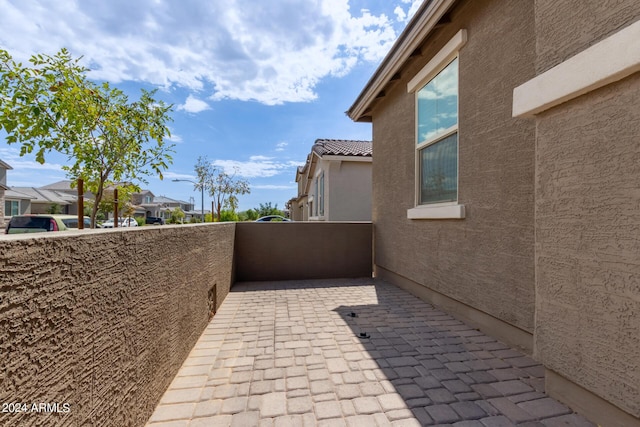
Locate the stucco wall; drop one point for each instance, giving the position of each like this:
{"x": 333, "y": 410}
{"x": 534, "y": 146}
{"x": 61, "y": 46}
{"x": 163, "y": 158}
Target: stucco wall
{"x": 102, "y": 320}
{"x": 302, "y": 250}
{"x": 588, "y": 216}
{"x": 349, "y": 191}
{"x": 2, "y": 224}
{"x": 567, "y": 27}
{"x": 487, "y": 259}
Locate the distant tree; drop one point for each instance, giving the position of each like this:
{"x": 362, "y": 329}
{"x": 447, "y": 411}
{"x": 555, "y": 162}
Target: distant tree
{"x": 177, "y": 215}
{"x": 53, "y": 106}
{"x": 125, "y": 194}
{"x": 228, "y": 216}
{"x": 54, "y": 208}
{"x": 222, "y": 187}
{"x": 267, "y": 209}
{"x": 208, "y": 217}
{"x": 249, "y": 215}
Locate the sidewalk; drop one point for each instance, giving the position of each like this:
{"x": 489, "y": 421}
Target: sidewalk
{"x": 291, "y": 354}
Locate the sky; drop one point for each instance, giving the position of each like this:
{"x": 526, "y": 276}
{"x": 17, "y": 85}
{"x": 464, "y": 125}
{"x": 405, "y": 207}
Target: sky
{"x": 253, "y": 83}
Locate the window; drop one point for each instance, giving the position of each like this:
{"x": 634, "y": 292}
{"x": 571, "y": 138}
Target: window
{"x": 320, "y": 192}
{"x": 436, "y": 146}
{"x": 11, "y": 207}
{"x": 437, "y": 140}
{"x": 318, "y": 196}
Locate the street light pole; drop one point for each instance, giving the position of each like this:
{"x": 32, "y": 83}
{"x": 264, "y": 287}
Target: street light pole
{"x": 201, "y": 189}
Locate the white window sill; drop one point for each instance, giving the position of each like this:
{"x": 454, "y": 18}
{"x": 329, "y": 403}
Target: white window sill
{"x": 436, "y": 212}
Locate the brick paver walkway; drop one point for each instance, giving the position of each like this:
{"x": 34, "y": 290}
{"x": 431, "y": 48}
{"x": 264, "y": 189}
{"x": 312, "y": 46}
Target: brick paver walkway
{"x": 291, "y": 354}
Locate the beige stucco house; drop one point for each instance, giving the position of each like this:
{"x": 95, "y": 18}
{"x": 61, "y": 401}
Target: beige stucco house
{"x": 335, "y": 182}
{"x": 505, "y": 185}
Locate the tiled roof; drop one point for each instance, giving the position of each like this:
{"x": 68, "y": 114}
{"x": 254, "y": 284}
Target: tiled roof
{"x": 64, "y": 185}
{"x": 13, "y": 194}
{"x": 342, "y": 147}
{"x": 39, "y": 195}
{"x": 167, "y": 200}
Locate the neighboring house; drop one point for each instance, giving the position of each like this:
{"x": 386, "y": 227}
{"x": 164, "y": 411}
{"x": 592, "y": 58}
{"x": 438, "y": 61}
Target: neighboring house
{"x": 42, "y": 200}
{"x": 63, "y": 186}
{"x": 169, "y": 203}
{"x": 144, "y": 204}
{"x": 335, "y": 182}
{"x": 4, "y": 167}
{"x": 57, "y": 191}
{"x": 526, "y": 227}
{"x": 16, "y": 203}
{"x": 147, "y": 204}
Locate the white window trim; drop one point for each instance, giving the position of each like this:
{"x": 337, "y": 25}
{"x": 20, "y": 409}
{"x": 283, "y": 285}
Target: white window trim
{"x": 321, "y": 192}
{"x": 444, "y": 210}
{"x": 7, "y": 214}
{"x": 448, "y": 210}
{"x": 441, "y": 59}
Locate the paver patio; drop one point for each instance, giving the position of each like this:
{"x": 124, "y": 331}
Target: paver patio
{"x": 291, "y": 354}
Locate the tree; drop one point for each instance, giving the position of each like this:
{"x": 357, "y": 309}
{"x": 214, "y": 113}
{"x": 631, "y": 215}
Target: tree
{"x": 125, "y": 194}
{"x": 229, "y": 216}
{"x": 177, "y": 215}
{"x": 222, "y": 187}
{"x": 54, "y": 208}
{"x": 52, "y": 106}
{"x": 267, "y": 209}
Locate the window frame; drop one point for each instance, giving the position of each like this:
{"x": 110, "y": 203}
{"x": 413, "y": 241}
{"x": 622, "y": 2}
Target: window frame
{"x": 10, "y": 203}
{"x": 320, "y": 194}
{"x": 440, "y": 61}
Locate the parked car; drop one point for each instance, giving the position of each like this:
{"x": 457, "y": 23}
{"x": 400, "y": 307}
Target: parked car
{"x": 129, "y": 222}
{"x": 72, "y": 221}
{"x": 122, "y": 222}
{"x": 154, "y": 220}
{"x": 42, "y": 223}
{"x": 273, "y": 218}
{"x": 108, "y": 224}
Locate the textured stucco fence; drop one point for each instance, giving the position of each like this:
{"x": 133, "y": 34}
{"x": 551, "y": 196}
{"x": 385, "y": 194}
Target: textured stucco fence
{"x": 102, "y": 320}
{"x": 303, "y": 250}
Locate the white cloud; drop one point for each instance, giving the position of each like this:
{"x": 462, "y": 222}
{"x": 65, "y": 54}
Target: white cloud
{"x": 174, "y": 175}
{"x": 281, "y": 146}
{"x": 11, "y": 156}
{"x": 403, "y": 15}
{"x": 194, "y": 105}
{"x": 175, "y": 138}
{"x": 33, "y": 165}
{"x": 256, "y": 167}
{"x": 270, "y": 52}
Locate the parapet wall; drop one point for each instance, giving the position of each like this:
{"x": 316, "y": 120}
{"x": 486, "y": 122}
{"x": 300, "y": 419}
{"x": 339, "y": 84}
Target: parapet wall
{"x": 102, "y": 320}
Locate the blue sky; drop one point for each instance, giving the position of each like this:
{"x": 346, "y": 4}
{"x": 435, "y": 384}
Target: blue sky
{"x": 253, "y": 83}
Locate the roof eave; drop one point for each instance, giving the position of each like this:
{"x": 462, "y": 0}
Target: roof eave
{"x": 424, "y": 21}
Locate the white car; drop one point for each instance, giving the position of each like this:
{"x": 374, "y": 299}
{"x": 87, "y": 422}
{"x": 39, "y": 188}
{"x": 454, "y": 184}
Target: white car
{"x": 128, "y": 222}
{"x": 122, "y": 222}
